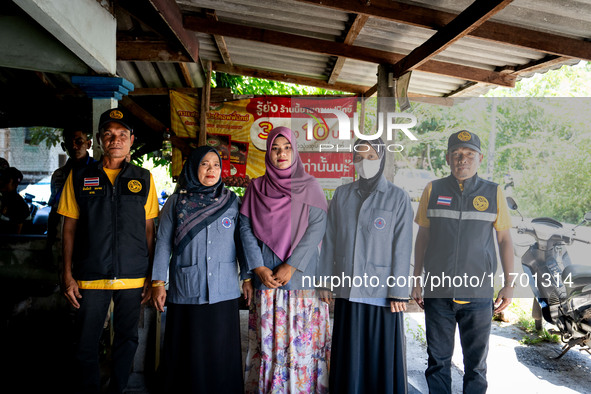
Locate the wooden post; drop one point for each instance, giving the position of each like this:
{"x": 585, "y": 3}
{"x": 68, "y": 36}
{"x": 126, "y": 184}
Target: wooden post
{"x": 492, "y": 141}
{"x": 205, "y": 94}
{"x": 386, "y": 103}
{"x": 362, "y": 114}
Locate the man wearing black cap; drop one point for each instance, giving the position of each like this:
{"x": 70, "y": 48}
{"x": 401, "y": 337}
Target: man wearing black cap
{"x": 108, "y": 245}
{"x": 458, "y": 217}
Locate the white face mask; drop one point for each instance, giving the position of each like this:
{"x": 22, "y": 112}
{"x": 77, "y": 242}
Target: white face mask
{"x": 367, "y": 168}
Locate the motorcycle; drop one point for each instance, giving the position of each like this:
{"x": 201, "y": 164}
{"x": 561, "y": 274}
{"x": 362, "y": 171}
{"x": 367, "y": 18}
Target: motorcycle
{"x": 36, "y": 223}
{"x": 562, "y": 290}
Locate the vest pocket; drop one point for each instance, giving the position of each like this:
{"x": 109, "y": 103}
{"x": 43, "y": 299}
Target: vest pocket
{"x": 188, "y": 281}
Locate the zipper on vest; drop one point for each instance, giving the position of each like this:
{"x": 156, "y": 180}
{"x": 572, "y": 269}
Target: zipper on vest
{"x": 114, "y": 210}
{"x": 114, "y": 221}
{"x": 458, "y": 239}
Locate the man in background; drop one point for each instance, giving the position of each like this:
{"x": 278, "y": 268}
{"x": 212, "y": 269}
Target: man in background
{"x": 76, "y": 144}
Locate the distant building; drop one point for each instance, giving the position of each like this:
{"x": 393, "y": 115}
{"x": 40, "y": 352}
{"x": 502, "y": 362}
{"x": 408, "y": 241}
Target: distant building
{"x": 34, "y": 161}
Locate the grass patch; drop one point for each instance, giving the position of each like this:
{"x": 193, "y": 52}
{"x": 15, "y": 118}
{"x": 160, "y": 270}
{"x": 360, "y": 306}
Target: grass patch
{"x": 540, "y": 336}
{"x": 526, "y": 323}
{"x": 418, "y": 334}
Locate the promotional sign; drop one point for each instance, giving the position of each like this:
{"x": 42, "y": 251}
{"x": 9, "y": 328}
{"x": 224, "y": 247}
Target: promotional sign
{"x": 184, "y": 121}
{"x": 246, "y": 123}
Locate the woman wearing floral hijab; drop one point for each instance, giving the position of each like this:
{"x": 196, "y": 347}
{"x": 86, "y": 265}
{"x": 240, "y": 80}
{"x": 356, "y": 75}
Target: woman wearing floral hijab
{"x": 282, "y": 222}
{"x": 197, "y": 246}
{"x": 369, "y": 235}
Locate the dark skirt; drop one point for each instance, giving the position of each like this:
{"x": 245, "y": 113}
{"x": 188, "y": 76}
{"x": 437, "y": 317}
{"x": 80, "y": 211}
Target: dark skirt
{"x": 202, "y": 351}
{"x": 368, "y": 350}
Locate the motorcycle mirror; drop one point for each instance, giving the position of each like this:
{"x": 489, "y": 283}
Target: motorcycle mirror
{"x": 586, "y": 219}
{"x": 513, "y": 206}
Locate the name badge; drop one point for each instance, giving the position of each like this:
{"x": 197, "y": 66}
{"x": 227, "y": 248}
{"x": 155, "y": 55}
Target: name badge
{"x": 92, "y": 191}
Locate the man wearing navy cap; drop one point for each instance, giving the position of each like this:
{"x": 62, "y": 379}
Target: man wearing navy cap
{"x": 108, "y": 245}
{"x": 458, "y": 217}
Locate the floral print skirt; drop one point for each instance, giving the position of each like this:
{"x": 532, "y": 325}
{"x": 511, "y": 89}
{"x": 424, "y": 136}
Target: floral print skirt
{"x": 289, "y": 339}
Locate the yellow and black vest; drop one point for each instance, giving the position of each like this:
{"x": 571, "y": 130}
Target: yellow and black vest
{"x": 460, "y": 260}
{"x": 110, "y": 238}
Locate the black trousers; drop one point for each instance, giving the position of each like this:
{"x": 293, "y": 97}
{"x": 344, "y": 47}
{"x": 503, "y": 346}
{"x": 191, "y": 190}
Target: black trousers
{"x": 89, "y": 324}
{"x": 473, "y": 320}
{"x": 368, "y": 350}
{"x": 202, "y": 349}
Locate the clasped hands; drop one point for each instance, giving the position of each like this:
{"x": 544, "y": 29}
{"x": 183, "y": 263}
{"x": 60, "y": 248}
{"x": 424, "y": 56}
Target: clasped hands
{"x": 278, "y": 277}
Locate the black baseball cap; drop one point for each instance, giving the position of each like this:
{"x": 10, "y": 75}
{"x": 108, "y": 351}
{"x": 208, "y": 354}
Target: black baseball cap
{"x": 115, "y": 115}
{"x": 463, "y": 138}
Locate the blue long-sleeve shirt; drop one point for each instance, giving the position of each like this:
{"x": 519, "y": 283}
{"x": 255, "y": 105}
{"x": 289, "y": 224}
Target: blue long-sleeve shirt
{"x": 207, "y": 270}
{"x": 368, "y": 238}
{"x": 304, "y": 257}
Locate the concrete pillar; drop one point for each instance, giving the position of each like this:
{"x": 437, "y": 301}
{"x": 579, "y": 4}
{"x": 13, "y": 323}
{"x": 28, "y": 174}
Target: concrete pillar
{"x": 98, "y": 107}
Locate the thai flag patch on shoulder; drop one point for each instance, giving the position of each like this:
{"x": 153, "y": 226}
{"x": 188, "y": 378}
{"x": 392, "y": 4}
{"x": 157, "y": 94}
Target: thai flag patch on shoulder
{"x": 444, "y": 200}
{"x": 91, "y": 182}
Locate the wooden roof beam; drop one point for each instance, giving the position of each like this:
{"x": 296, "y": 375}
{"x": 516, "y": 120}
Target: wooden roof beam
{"x": 341, "y": 49}
{"x": 352, "y": 33}
{"x": 542, "y": 64}
{"x": 145, "y": 116}
{"x": 164, "y": 18}
{"x": 476, "y": 14}
{"x": 220, "y": 42}
{"x": 148, "y": 50}
{"x": 531, "y": 67}
{"x": 171, "y": 14}
{"x": 493, "y": 31}
{"x": 187, "y": 75}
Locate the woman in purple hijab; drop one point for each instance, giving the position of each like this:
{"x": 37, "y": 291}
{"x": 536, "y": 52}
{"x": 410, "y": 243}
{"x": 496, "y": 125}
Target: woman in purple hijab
{"x": 282, "y": 222}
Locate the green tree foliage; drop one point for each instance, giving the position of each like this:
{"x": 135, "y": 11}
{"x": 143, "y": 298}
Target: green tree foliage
{"x": 48, "y": 135}
{"x": 545, "y": 143}
{"x": 542, "y": 140}
{"x": 256, "y": 86}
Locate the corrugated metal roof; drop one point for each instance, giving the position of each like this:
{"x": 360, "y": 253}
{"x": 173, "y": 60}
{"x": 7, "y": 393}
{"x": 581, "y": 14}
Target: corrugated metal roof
{"x": 141, "y": 24}
{"x": 568, "y": 18}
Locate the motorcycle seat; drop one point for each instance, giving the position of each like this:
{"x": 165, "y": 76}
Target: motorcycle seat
{"x": 579, "y": 275}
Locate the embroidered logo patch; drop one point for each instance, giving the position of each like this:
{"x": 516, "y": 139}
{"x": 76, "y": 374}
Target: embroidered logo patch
{"x": 464, "y": 136}
{"x": 134, "y": 186}
{"x": 227, "y": 222}
{"x": 379, "y": 223}
{"x": 91, "y": 181}
{"x": 444, "y": 200}
{"x": 480, "y": 203}
{"x": 116, "y": 114}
